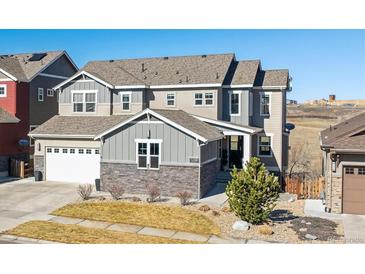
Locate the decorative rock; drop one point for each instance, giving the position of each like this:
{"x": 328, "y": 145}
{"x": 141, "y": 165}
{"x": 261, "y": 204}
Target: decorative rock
{"x": 303, "y": 229}
{"x": 308, "y": 223}
{"x": 241, "y": 226}
{"x": 291, "y": 199}
{"x": 303, "y": 222}
{"x": 310, "y": 237}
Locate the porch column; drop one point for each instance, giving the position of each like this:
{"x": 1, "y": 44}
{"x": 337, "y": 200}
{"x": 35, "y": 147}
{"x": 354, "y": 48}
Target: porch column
{"x": 246, "y": 148}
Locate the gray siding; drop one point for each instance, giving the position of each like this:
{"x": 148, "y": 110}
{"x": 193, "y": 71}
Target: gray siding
{"x": 176, "y": 147}
{"x": 243, "y": 118}
{"x": 209, "y": 151}
{"x": 61, "y": 67}
{"x": 137, "y": 96}
{"x": 102, "y": 97}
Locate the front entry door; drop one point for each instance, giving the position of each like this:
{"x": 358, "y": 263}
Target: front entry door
{"x": 235, "y": 151}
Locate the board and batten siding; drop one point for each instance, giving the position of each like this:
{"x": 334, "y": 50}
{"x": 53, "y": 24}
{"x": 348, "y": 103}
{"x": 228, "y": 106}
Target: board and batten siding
{"x": 209, "y": 151}
{"x": 176, "y": 148}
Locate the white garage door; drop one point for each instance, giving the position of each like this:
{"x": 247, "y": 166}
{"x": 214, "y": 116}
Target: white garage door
{"x": 74, "y": 165}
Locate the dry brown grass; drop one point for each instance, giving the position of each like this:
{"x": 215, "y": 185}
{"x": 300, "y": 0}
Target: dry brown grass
{"x": 159, "y": 216}
{"x": 74, "y": 234}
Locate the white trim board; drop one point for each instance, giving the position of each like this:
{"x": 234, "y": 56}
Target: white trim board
{"x": 86, "y": 74}
{"x": 8, "y": 74}
{"x": 52, "y": 76}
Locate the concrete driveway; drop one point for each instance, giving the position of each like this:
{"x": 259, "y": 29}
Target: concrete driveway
{"x": 26, "y": 200}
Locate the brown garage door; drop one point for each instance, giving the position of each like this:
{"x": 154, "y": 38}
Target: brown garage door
{"x": 354, "y": 190}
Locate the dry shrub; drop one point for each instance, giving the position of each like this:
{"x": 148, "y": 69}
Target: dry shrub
{"x": 265, "y": 230}
{"x": 184, "y": 197}
{"x": 204, "y": 208}
{"x": 215, "y": 213}
{"x": 136, "y": 199}
{"x": 85, "y": 191}
{"x": 116, "y": 191}
{"x": 153, "y": 192}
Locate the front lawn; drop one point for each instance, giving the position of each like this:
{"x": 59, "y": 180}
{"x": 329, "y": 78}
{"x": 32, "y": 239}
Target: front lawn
{"x": 74, "y": 234}
{"x": 152, "y": 215}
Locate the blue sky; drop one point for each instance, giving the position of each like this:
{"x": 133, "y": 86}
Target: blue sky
{"x": 321, "y": 62}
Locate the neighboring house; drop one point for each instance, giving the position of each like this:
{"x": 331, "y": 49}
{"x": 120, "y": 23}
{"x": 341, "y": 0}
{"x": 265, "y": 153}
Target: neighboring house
{"x": 26, "y": 95}
{"x": 175, "y": 121}
{"x": 343, "y": 148}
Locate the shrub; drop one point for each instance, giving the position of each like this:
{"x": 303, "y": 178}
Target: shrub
{"x": 204, "y": 208}
{"x": 252, "y": 192}
{"x": 226, "y": 209}
{"x": 136, "y": 199}
{"x": 85, "y": 191}
{"x": 184, "y": 197}
{"x": 215, "y": 213}
{"x": 265, "y": 230}
{"x": 116, "y": 191}
{"x": 153, "y": 191}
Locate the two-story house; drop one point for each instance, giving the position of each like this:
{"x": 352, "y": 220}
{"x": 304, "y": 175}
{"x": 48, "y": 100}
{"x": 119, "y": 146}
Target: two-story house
{"x": 173, "y": 121}
{"x": 27, "y": 98}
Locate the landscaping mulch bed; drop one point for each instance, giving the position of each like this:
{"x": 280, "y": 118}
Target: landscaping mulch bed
{"x": 75, "y": 234}
{"x": 323, "y": 229}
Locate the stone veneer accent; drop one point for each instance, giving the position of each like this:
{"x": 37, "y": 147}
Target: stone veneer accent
{"x": 39, "y": 164}
{"x": 208, "y": 173}
{"x": 333, "y": 190}
{"x": 170, "y": 179}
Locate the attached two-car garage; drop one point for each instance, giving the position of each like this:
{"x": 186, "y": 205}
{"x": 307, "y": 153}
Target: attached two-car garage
{"x": 353, "y": 198}
{"x": 72, "y": 164}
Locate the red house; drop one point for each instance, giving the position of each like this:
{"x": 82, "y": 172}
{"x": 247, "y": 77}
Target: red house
{"x": 27, "y": 98}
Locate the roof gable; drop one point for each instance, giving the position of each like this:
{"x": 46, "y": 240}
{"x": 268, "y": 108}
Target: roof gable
{"x": 7, "y": 118}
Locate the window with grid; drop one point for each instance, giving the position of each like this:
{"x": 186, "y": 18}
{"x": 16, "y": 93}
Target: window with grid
{"x": 198, "y": 99}
{"x": 170, "y": 99}
{"x": 264, "y": 146}
{"x": 349, "y": 170}
{"x": 49, "y": 150}
{"x": 2, "y": 90}
{"x": 148, "y": 155}
{"x": 154, "y": 155}
{"x": 72, "y": 151}
{"x": 40, "y": 95}
{"x": 209, "y": 98}
{"x": 90, "y": 102}
{"x": 235, "y": 102}
{"x": 81, "y": 151}
{"x": 84, "y": 102}
{"x": 56, "y": 150}
{"x": 50, "y": 92}
{"x": 126, "y": 101}
{"x": 265, "y": 104}
{"x": 142, "y": 155}
{"x": 64, "y": 150}
{"x": 361, "y": 171}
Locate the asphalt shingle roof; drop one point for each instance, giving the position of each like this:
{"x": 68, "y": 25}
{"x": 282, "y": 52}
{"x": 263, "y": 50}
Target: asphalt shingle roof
{"x": 78, "y": 125}
{"x": 7, "y": 118}
{"x": 245, "y": 73}
{"x": 278, "y": 77}
{"x": 349, "y": 134}
{"x": 20, "y": 67}
{"x": 197, "y": 69}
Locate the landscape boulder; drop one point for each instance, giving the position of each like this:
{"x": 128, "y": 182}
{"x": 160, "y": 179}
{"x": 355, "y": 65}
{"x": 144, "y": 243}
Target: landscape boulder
{"x": 241, "y": 226}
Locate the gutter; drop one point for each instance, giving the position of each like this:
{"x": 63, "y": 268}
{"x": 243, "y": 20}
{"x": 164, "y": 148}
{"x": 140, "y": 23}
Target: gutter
{"x": 61, "y": 136}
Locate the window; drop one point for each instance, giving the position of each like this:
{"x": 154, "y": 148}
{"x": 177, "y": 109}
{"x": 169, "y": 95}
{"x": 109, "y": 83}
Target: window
{"x": 97, "y": 151}
{"x": 88, "y": 151}
{"x": 84, "y": 101}
{"x": 264, "y": 146}
{"x": 126, "y": 100}
{"x": 81, "y": 151}
{"x": 170, "y": 99}
{"x": 49, "y": 150}
{"x": 3, "y": 89}
{"x": 56, "y": 150}
{"x": 361, "y": 171}
{"x": 64, "y": 150}
{"x": 154, "y": 155}
{"x": 142, "y": 155}
{"x": 72, "y": 151}
{"x": 40, "y": 95}
{"x": 235, "y": 103}
{"x": 50, "y": 92}
{"x": 349, "y": 170}
{"x": 264, "y": 104}
{"x": 31, "y": 140}
{"x": 148, "y": 154}
{"x": 198, "y": 99}
{"x": 209, "y": 98}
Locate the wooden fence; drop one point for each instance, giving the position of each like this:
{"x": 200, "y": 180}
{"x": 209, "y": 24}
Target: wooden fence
{"x": 20, "y": 168}
{"x": 305, "y": 189}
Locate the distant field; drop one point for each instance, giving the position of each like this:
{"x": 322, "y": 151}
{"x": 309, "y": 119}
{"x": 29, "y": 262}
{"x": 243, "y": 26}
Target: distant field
{"x": 307, "y": 128}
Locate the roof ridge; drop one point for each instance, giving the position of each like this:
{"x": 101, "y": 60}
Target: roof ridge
{"x": 25, "y": 53}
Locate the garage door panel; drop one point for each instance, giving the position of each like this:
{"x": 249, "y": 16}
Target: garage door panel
{"x": 72, "y": 167}
{"x": 353, "y": 190}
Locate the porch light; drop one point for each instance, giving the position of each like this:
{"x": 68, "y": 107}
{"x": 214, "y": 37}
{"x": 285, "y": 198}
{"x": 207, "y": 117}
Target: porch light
{"x": 39, "y": 147}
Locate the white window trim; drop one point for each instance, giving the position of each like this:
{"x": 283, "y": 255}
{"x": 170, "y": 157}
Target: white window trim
{"x": 149, "y": 141}
{"x": 5, "y": 91}
{"x": 50, "y": 92}
{"x": 203, "y": 99}
{"x": 83, "y": 99}
{"x": 130, "y": 99}
{"x": 213, "y": 99}
{"x": 171, "y": 93}
{"x": 271, "y": 144}
{"x": 262, "y": 93}
{"x": 239, "y": 92}
{"x": 39, "y": 92}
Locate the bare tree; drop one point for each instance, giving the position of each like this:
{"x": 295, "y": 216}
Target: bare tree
{"x": 299, "y": 160}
